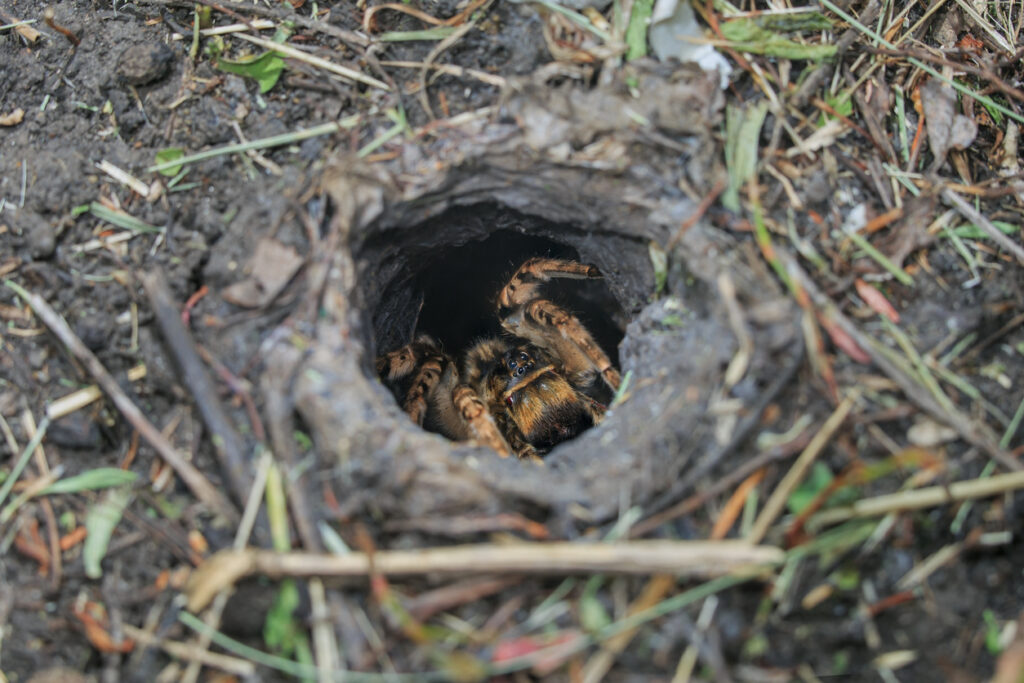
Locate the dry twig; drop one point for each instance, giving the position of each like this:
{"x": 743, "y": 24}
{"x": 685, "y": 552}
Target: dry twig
{"x": 916, "y": 499}
{"x": 230, "y": 447}
{"x": 983, "y": 223}
{"x": 680, "y": 558}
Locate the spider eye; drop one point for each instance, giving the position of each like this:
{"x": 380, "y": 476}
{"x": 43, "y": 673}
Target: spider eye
{"x": 523, "y": 356}
{"x": 511, "y": 365}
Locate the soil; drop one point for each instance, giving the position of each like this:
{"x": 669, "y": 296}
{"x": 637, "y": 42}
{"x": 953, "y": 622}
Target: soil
{"x": 417, "y": 235}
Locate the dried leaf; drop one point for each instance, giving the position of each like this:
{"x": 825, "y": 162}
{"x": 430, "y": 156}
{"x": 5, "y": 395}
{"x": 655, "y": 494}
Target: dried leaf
{"x": 946, "y": 128}
{"x": 272, "y": 267}
{"x": 845, "y": 342}
{"x": 876, "y": 300}
{"x": 963, "y": 133}
{"x": 911, "y": 233}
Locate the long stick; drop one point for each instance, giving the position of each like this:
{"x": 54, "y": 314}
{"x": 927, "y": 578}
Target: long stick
{"x": 923, "y": 498}
{"x": 230, "y": 448}
{"x": 679, "y": 558}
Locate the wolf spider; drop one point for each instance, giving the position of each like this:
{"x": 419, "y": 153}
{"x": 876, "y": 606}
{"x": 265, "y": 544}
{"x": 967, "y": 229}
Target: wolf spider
{"x": 523, "y": 392}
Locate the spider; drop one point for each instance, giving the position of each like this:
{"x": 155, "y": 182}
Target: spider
{"x": 523, "y": 392}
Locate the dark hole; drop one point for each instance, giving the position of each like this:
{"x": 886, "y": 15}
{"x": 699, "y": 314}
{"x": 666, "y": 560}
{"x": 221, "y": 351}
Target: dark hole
{"x": 443, "y": 278}
{"x": 460, "y": 291}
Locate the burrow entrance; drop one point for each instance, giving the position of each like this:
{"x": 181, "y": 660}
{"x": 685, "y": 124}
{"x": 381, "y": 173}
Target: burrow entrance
{"x": 606, "y": 190}
{"x": 442, "y": 277}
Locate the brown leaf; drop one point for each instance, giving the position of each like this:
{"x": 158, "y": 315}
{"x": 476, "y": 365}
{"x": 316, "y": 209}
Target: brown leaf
{"x": 876, "y": 300}
{"x": 844, "y": 341}
{"x": 938, "y": 101}
{"x": 911, "y": 233}
{"x": 271, "y": 268}
{"x": 963, "y": 132}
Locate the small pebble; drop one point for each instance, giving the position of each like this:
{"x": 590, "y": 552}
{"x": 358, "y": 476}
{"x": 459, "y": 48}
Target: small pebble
{"x": 817, "y": 188}
{"x": 93, "y": 331}
{"x": 76, "y": 431}
{"x": 144, "y": 63}
{"x": 39, "y": 234}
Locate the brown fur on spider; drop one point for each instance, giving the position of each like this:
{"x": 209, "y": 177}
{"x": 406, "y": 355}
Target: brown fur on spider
{"x": 522, "y": 393}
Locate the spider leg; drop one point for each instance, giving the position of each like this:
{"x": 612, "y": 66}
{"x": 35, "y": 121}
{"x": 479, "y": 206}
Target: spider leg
{"x": 401, "y": 362}
{"x": 573, "y": 344}
{"x": 523, "y": 286}
{"x": 423, "y": 384}
{"x": 412, "y": 373}
{"x": 481, "y": 425}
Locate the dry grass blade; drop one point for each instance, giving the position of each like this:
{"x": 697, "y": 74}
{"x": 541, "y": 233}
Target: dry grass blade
{"x": 451, "y": 70}
{"x": 798, "y": 471}
{"x": 680, "y": 558}
{"x": 191, "y": 653}
{"x": 123, "y": 177}
{"x": 77, "y": 400}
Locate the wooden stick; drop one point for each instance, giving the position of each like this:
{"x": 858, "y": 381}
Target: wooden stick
{"x": 231, "y": 450}
{"x": 192, "y": 477}
{"x": 916, "y": 499}
{"x": 679, "y": 558}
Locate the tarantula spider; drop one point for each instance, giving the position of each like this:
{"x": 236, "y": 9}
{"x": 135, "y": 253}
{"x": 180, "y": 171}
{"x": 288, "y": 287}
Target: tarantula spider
{"x": 521, "y": 393}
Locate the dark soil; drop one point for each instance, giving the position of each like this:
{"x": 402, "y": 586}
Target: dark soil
{"x": 456, "y": 215}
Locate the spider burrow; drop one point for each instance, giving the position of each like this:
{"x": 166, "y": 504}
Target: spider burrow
{"x": 523, "y": 392}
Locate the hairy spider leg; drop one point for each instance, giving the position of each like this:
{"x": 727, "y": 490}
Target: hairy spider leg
{"x": 480, "y": 422}
{"x": 422, "y": 385}
{"x": 523, "y": 286}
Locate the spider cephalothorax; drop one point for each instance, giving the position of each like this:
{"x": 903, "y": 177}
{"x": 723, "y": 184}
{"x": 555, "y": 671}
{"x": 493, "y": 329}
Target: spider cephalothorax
{"x": 521, "y": 393}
